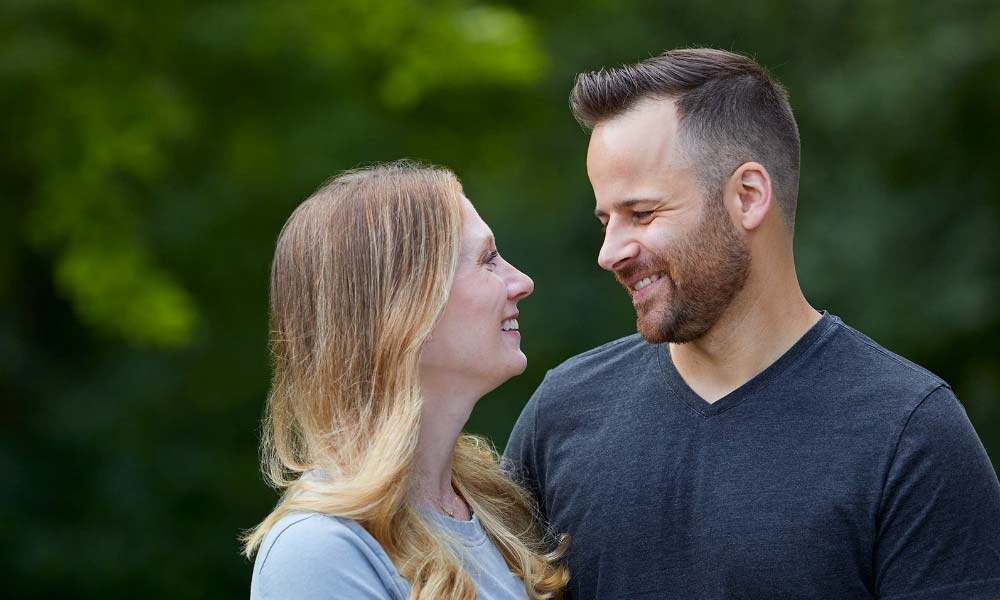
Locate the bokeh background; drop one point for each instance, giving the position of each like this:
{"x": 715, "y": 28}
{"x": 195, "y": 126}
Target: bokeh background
{"x": 150, "y": 152}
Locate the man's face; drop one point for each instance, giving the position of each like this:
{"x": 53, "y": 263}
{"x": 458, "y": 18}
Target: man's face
{"x": 674, "y": 248}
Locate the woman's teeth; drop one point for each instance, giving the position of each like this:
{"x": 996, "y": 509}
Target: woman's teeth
{"x": 509, "y": 325}
{"x": 645, "y": 282}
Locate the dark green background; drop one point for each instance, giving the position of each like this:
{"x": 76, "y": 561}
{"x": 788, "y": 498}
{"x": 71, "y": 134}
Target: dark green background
{"x": 151, "y": 152}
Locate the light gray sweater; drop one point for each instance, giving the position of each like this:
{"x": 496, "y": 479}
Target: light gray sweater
{"x": 312, "y": 556}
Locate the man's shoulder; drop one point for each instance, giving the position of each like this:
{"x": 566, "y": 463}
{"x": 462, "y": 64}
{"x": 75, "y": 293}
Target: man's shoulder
{"x": 857, "y": 354}
{"x": 608, "y": 364}
{"x": 608, "y": 356}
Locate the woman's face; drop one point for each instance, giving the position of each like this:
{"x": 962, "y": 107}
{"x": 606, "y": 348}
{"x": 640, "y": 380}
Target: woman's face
{"x": 476, "y": 342}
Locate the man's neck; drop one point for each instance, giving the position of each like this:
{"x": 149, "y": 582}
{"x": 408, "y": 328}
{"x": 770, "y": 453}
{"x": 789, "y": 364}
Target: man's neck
{"x": 756, "y": 330}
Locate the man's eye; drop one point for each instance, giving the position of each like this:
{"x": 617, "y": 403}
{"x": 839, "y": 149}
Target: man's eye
{"x": 642, "y": 215}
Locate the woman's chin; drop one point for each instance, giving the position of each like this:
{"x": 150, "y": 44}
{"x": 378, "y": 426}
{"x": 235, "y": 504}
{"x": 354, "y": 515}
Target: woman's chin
{"x": 521, "y": 363}
{"x": 514, "y": 367}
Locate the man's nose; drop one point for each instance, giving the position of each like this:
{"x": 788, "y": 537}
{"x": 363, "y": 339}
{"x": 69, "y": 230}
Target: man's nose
{"x": 618, "y": 248}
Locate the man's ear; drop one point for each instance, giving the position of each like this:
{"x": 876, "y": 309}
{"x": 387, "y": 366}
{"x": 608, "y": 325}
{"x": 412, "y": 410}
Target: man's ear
{"x": 751, "y": 194}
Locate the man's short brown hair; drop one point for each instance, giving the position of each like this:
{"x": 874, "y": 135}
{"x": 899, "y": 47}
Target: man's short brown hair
{"x": 730, "y": 109}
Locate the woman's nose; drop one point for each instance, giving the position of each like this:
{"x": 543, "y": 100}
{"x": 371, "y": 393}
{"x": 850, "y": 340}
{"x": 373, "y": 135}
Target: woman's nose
{"x": 519, "y": 285}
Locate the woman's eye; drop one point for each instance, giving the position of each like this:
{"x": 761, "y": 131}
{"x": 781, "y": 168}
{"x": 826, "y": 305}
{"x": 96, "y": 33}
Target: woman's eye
{"x": 491, "y": 258}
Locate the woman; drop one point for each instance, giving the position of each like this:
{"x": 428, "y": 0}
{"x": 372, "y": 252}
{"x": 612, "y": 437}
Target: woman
{"x": 391, "y": 314}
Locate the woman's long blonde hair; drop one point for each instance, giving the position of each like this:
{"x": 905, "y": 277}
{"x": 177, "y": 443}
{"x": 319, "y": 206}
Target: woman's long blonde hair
{"x": 361, "y": 272}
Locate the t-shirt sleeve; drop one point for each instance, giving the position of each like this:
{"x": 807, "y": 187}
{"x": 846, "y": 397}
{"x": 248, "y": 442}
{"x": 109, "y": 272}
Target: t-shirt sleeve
{"x": 939, "y": 528}
{"x": 316, "y": 557}
{"x": 520, "y": 456}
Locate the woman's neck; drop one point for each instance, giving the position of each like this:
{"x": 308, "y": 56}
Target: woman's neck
{"x": 444, "y": 416}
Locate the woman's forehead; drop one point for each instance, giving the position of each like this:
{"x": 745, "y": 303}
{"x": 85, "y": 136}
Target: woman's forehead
{"x": 475, "y": 232}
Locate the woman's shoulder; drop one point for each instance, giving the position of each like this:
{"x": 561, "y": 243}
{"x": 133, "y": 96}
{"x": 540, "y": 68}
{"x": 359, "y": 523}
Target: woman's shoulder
{"x": 307, "y": 555}
{"x": 317, "y": 533}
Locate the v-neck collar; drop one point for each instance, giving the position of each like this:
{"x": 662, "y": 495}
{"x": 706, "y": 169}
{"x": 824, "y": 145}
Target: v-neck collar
{"x": 751, "y": 388}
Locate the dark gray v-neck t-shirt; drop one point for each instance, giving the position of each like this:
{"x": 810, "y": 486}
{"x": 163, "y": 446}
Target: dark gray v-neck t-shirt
{"x": 841, "y": 471}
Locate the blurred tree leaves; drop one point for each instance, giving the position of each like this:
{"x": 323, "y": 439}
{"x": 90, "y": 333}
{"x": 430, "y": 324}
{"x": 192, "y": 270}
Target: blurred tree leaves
{"x": 108, "y": 114}
{"x": 151, "y": 152}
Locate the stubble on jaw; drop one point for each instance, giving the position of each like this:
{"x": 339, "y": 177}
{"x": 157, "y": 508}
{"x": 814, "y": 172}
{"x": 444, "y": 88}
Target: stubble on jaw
{"x": 705, "y": 270}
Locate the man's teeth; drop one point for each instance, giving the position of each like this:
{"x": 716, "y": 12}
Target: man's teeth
{"x": 645, "y": 282}
{"x": 509, "y": 325}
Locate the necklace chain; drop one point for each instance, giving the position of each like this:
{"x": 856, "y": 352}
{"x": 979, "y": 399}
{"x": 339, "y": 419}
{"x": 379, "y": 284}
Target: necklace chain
{"x": 449, "y": 508}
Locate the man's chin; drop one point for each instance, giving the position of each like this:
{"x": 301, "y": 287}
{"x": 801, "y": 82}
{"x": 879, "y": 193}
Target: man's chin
{"x": 652, "y": 339}
{"x": 667, "y": 329}
{"x": 652, "y": 330}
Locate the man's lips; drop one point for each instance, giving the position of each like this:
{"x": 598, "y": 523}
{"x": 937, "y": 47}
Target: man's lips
{"x": 646, "y": 279}
{"x": 640, "y": 280}
{"x": 649, "y": 287}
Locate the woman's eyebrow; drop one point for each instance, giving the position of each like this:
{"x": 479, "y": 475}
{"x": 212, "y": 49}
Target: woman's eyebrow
{"x": 488, "y": 243}
{"x": 484, "y": 247}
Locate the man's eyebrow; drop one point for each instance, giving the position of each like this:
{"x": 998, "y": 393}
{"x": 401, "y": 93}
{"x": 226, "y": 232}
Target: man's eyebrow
{"x": 622, "y": 204}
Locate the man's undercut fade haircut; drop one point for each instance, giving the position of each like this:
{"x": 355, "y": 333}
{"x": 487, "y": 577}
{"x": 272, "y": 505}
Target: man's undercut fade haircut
{"x": 730, "y": 110}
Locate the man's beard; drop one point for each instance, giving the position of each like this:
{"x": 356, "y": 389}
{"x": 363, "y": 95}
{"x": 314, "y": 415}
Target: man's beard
{"x": 704, "y": 270}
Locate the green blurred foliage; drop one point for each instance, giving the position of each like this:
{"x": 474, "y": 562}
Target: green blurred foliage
{"x": 151, "y": 153}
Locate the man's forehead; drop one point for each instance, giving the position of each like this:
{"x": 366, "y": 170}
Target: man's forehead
{"x": 640, "y": 142}
{"x": 649, "y": 118}
{"x": 634, "y": 181}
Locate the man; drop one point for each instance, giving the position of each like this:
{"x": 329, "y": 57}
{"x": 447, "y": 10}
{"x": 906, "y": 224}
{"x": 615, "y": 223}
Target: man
{"x": 743, "y": 445}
